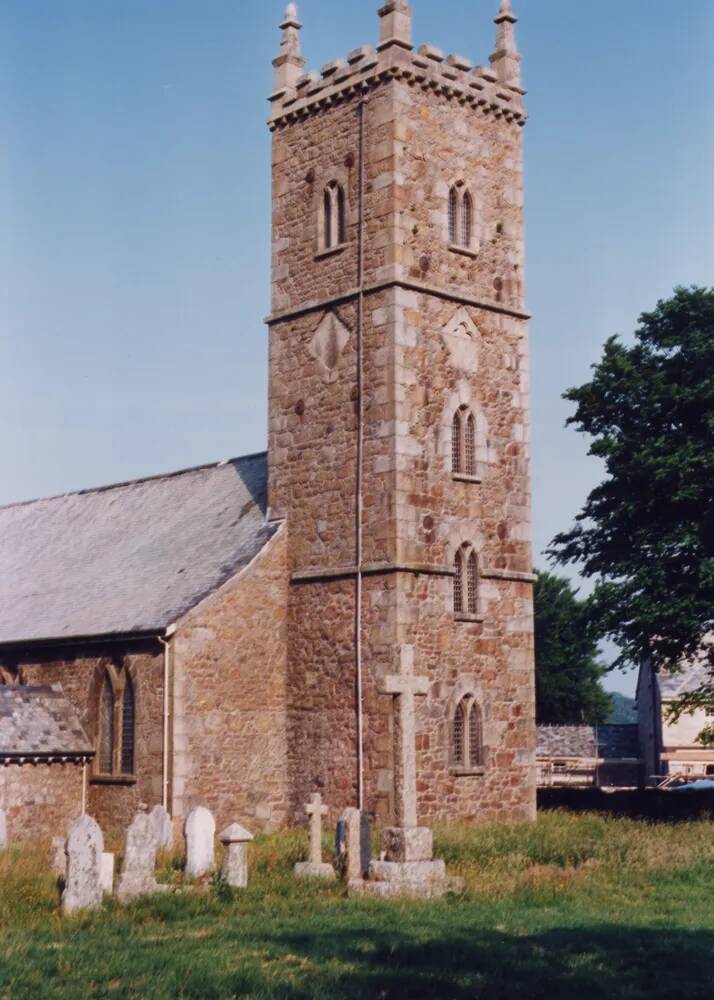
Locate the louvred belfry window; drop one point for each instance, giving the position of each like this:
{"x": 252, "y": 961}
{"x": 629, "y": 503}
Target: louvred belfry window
{"x": 463, "y": 443}
{"x": 467, "y": 751}
{"x": 461, "y": 217}
{"x": 466, "y": 582}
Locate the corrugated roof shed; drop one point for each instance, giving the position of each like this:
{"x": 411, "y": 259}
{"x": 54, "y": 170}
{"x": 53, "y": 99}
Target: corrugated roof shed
{"x": 39, "y": 722}
{"x": 589, "y": 742}
{"x": 128, "y": 558}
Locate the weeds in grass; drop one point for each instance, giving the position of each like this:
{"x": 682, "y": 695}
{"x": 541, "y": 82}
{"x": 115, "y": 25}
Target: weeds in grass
{"x": 568, "y": 905}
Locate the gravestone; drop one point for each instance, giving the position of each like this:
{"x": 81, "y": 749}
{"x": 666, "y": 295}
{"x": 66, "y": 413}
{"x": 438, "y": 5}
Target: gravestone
{"x": 200, "y": 831}
{"x": 314, "y": 868}
{"x": 84, "y": 848}
{"x": 354, "y": 843}
{"x": 106, "y": 875}
{"x": 235, "y": 840}
{"x": 3, "y": 830}
{"x": 58, "y": 857}
{"x": 163, "y": 828}
{"x": 138, "y": 877}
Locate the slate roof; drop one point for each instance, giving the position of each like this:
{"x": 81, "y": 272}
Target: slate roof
{"x": 591, "y": 742}
{"x": 40, "y": 722}
{"x": 131, "y": 558}
{"x": 688, "y": 679}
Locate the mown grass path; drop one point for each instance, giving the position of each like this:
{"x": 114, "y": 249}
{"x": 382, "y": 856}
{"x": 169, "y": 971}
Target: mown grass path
{"x": 570, "y": 908}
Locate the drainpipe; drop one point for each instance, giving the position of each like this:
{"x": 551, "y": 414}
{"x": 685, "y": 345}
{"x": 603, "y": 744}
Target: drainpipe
{"x": 166, "y": 643}
{"x": 360, "y": 459}
{"x": 84, "y": 788}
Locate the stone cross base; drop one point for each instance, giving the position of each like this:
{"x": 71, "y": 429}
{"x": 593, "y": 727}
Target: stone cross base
{"x": 411, "y": 879}
{"x": 403, "y": 844}
{"x": 308, "y": 869}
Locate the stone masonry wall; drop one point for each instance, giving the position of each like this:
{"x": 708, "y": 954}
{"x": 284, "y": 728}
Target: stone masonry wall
{"x": 40, "y": 801}
{"x": 441, "y": 329}
{"x": 229, "y": 727}
{"x": 80, "y": 671}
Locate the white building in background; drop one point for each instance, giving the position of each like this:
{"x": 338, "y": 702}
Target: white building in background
{"x": 672, "y": 748}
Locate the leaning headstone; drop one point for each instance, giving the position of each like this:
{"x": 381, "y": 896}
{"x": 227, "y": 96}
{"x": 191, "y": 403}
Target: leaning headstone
{"x": 84, "y": 848}
{"x": 107, "y": 873}
{"x": 235, "y": 842}
{"x": 200, "y": 833}
{"x": 314, "y": 868}
{"x": 163, "y": 828}
{"x": 138, "y": 871}
{"x": 3, "y": 830}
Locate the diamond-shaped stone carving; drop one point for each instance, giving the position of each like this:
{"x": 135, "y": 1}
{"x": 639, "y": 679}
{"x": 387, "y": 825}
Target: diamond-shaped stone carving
{"x": 462, "y": 339}
{"x": 329, "y": 342}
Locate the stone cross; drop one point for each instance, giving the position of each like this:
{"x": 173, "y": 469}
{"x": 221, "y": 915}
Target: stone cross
{"x": 316, "y": 810}
{"x": 84, "y": 848}
{"x": 138, "y": 871}
{"x": 314, "y": 868}
{"x": 235, "y": 842}
{"x": 200, "y": 846}
{"x": 405, "y": 687}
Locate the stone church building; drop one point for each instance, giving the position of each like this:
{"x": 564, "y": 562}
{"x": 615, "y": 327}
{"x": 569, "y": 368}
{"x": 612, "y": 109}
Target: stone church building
{"x": 222, "y": 635}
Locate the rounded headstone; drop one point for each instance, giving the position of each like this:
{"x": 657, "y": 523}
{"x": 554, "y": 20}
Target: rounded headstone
{"x": 200, "y": 831}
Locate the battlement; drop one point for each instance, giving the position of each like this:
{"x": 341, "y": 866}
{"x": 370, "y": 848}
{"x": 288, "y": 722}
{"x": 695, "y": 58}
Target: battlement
{"x": 494, "y": 90}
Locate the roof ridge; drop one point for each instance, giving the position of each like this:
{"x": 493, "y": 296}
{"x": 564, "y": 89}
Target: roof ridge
{"x": 133, "y": 482}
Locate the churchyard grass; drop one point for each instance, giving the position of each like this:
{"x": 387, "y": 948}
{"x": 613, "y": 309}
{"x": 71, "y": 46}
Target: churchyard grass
{"x": 573, "y": 906}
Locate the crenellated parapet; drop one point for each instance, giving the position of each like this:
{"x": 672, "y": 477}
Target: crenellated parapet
{"x": 490, "y": 90}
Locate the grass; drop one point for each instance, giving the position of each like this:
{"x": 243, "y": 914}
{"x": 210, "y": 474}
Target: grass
{"x": 573, "y": 906}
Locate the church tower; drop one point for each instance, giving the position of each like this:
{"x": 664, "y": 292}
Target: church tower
{"x": 399, "y": 425}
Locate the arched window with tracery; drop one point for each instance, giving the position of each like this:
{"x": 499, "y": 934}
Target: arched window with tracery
{"x": 116, "y": 725}
{"x": 107, "y": 729}
{"x": 127, "y": 728}
{"x": 461, "y": 217}
{"x": 466, "y": 582}
{"x": 333, "y": 221}
{"x": 467, "y": 751}
{"x": 463, "y": 442}
{"x": 453, "y": 215}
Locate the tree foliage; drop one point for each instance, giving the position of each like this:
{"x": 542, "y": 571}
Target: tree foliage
{"x": 646, "y": 533}
{"x": 568, "y": 688}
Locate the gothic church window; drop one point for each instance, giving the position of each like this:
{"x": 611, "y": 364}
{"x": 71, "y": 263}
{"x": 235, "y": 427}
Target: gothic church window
{"x": 461, "y": 217}
{"x": 466, "y": 582}
{"x": 463, "y": 443}
{"x": 467, "y": 736}
{"x": 116, "y": 725}
{"x": 333, "y": 220}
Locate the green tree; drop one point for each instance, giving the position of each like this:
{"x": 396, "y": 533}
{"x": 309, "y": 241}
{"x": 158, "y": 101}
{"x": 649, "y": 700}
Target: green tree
{"x": 568, "y": 674}
{"x": 646, "y": 533}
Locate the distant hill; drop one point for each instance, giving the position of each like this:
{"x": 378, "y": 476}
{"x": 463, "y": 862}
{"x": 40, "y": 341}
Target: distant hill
{"x": 624, "y": 709}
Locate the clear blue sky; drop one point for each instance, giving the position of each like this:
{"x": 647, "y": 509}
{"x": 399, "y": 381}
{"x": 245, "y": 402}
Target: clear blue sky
{"x": 134, "y": 215}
